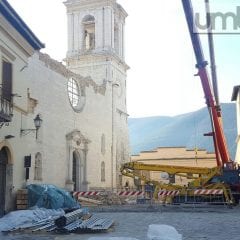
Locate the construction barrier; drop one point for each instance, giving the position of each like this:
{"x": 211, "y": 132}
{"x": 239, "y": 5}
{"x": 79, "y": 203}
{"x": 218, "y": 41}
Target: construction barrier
{"x": 130, "y": 193}
{"x": 208, "y": 192}
{"x": 89, "y": 193}
{"x": 168, "y": 193}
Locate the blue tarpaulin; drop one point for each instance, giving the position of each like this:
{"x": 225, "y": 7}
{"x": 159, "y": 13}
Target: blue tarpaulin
{"x": 50, "y": 197}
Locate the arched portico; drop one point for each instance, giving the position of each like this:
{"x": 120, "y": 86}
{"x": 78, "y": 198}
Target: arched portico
{"x": 77, "y": 148}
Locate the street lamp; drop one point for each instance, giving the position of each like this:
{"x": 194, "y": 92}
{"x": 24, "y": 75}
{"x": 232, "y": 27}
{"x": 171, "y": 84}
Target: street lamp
{"x": 37, "y": 123}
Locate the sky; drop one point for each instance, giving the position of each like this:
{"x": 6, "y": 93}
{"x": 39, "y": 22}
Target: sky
{"x": 158, "y": 50}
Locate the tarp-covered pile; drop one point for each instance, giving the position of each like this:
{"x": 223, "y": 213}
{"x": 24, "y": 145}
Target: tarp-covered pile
{"x": 52, "y": 209}
{"x": 50, "y": 197}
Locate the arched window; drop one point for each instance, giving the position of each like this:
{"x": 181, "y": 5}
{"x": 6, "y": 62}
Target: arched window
{"x": 38, "y": 167}
{"x": 103, "y": 144}
{"x": 102, "y": 171}
{"x": 89, "y": 32}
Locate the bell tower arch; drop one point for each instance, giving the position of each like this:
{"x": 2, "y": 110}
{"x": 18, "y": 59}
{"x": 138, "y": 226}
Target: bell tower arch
{"x": 96, "y": 26}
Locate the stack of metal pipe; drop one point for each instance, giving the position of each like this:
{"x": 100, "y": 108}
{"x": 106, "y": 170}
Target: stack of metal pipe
{"x": 78, "y": 221}
{"x": 68, "y": 218}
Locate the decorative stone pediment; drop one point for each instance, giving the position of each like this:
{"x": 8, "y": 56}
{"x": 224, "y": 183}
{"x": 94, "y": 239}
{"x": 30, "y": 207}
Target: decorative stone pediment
{"x": 77, "y": 140}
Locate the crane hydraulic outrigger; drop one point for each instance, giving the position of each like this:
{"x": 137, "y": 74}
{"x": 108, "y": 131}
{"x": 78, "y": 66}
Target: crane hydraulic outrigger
{"x": 226, "y": 175}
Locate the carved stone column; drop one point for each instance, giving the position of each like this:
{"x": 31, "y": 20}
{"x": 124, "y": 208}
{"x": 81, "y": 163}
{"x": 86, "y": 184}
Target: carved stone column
{"x": 84, "y": 159}
{"x": 69, "y": 181}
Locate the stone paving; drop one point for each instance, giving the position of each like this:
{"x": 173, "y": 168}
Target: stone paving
{"x": 213, "y": 223}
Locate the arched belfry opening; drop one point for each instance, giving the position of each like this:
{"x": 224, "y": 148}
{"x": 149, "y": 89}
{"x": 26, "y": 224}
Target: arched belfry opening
{"x": 116, "y": 39}
{"x": 77, "y": 148}
{"x": 89, "y": 32}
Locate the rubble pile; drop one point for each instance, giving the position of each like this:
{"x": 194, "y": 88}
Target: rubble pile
{"x": 106, "y": 198}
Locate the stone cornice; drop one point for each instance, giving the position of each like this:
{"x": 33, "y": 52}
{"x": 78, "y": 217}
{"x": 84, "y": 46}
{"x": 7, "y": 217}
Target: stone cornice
{"x": 59, "y": 68}
{"x": 15, "y": 37}
{"x": 109, "y": 55}
{"x": 122, "y": 112}
{"x": 122, "y": 11}
{"x": 77, "y": 5}
{"x": 7, "y": 53}
{"x": 88, "y": 3}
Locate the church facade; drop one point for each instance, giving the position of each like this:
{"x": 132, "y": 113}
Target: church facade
{"x": 82, "y": 136}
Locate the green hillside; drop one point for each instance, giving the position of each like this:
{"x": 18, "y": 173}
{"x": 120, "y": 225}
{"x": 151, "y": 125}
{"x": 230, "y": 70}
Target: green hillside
{"x": 181, "y": 130}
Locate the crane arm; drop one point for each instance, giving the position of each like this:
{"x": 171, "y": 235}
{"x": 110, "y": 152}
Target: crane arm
{"x": 132, "y": 169}
{"x": 218, "y": 134}
{"x": 171, "y": 169}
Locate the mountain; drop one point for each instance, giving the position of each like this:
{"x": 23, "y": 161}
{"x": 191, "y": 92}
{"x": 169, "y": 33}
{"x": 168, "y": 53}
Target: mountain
{"x": 184, "y": 130}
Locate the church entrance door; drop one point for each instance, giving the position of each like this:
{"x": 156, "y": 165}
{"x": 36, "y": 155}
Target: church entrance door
{"x": 76, "y": 172}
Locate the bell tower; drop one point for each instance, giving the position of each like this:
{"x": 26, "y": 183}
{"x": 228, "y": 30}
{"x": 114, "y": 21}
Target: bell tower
{"x": 95, "y": 27}
{"x": 96, "y": 49}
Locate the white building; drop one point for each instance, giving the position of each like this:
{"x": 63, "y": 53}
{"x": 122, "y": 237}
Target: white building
{"x": 17, "y": 44}
{"x": 83, "y": 137}
{"x": 236, "y": 97}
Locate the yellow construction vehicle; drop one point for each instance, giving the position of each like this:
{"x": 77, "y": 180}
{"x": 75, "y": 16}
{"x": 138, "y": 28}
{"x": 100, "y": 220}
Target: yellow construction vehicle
{"x": 200, "y": 185}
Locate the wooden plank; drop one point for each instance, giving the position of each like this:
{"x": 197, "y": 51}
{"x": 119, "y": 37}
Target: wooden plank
{"x": 88, "y": 200}
{"x": 22, "y": 197}
{"x": 19, "y": 202}
{"x": 22, "y": 191}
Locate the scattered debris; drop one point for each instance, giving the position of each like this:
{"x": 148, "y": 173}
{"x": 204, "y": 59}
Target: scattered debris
{"x": 106, "y": 198}
{"x": 85, "y": 201}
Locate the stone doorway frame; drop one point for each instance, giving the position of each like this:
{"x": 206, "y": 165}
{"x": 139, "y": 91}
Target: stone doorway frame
{"x": 77, "y": 144}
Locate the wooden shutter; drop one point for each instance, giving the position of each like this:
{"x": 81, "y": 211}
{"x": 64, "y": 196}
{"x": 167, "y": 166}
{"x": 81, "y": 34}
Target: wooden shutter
{"x": 6, "y": 80}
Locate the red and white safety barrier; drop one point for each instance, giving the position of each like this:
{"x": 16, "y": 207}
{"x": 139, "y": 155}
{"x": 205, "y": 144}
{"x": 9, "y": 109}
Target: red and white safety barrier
{"x": 208, "y": 192}
{"x": 130, "y": 193}
{"x": 168, "y": 193}
{"x": 89, "y": 193}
